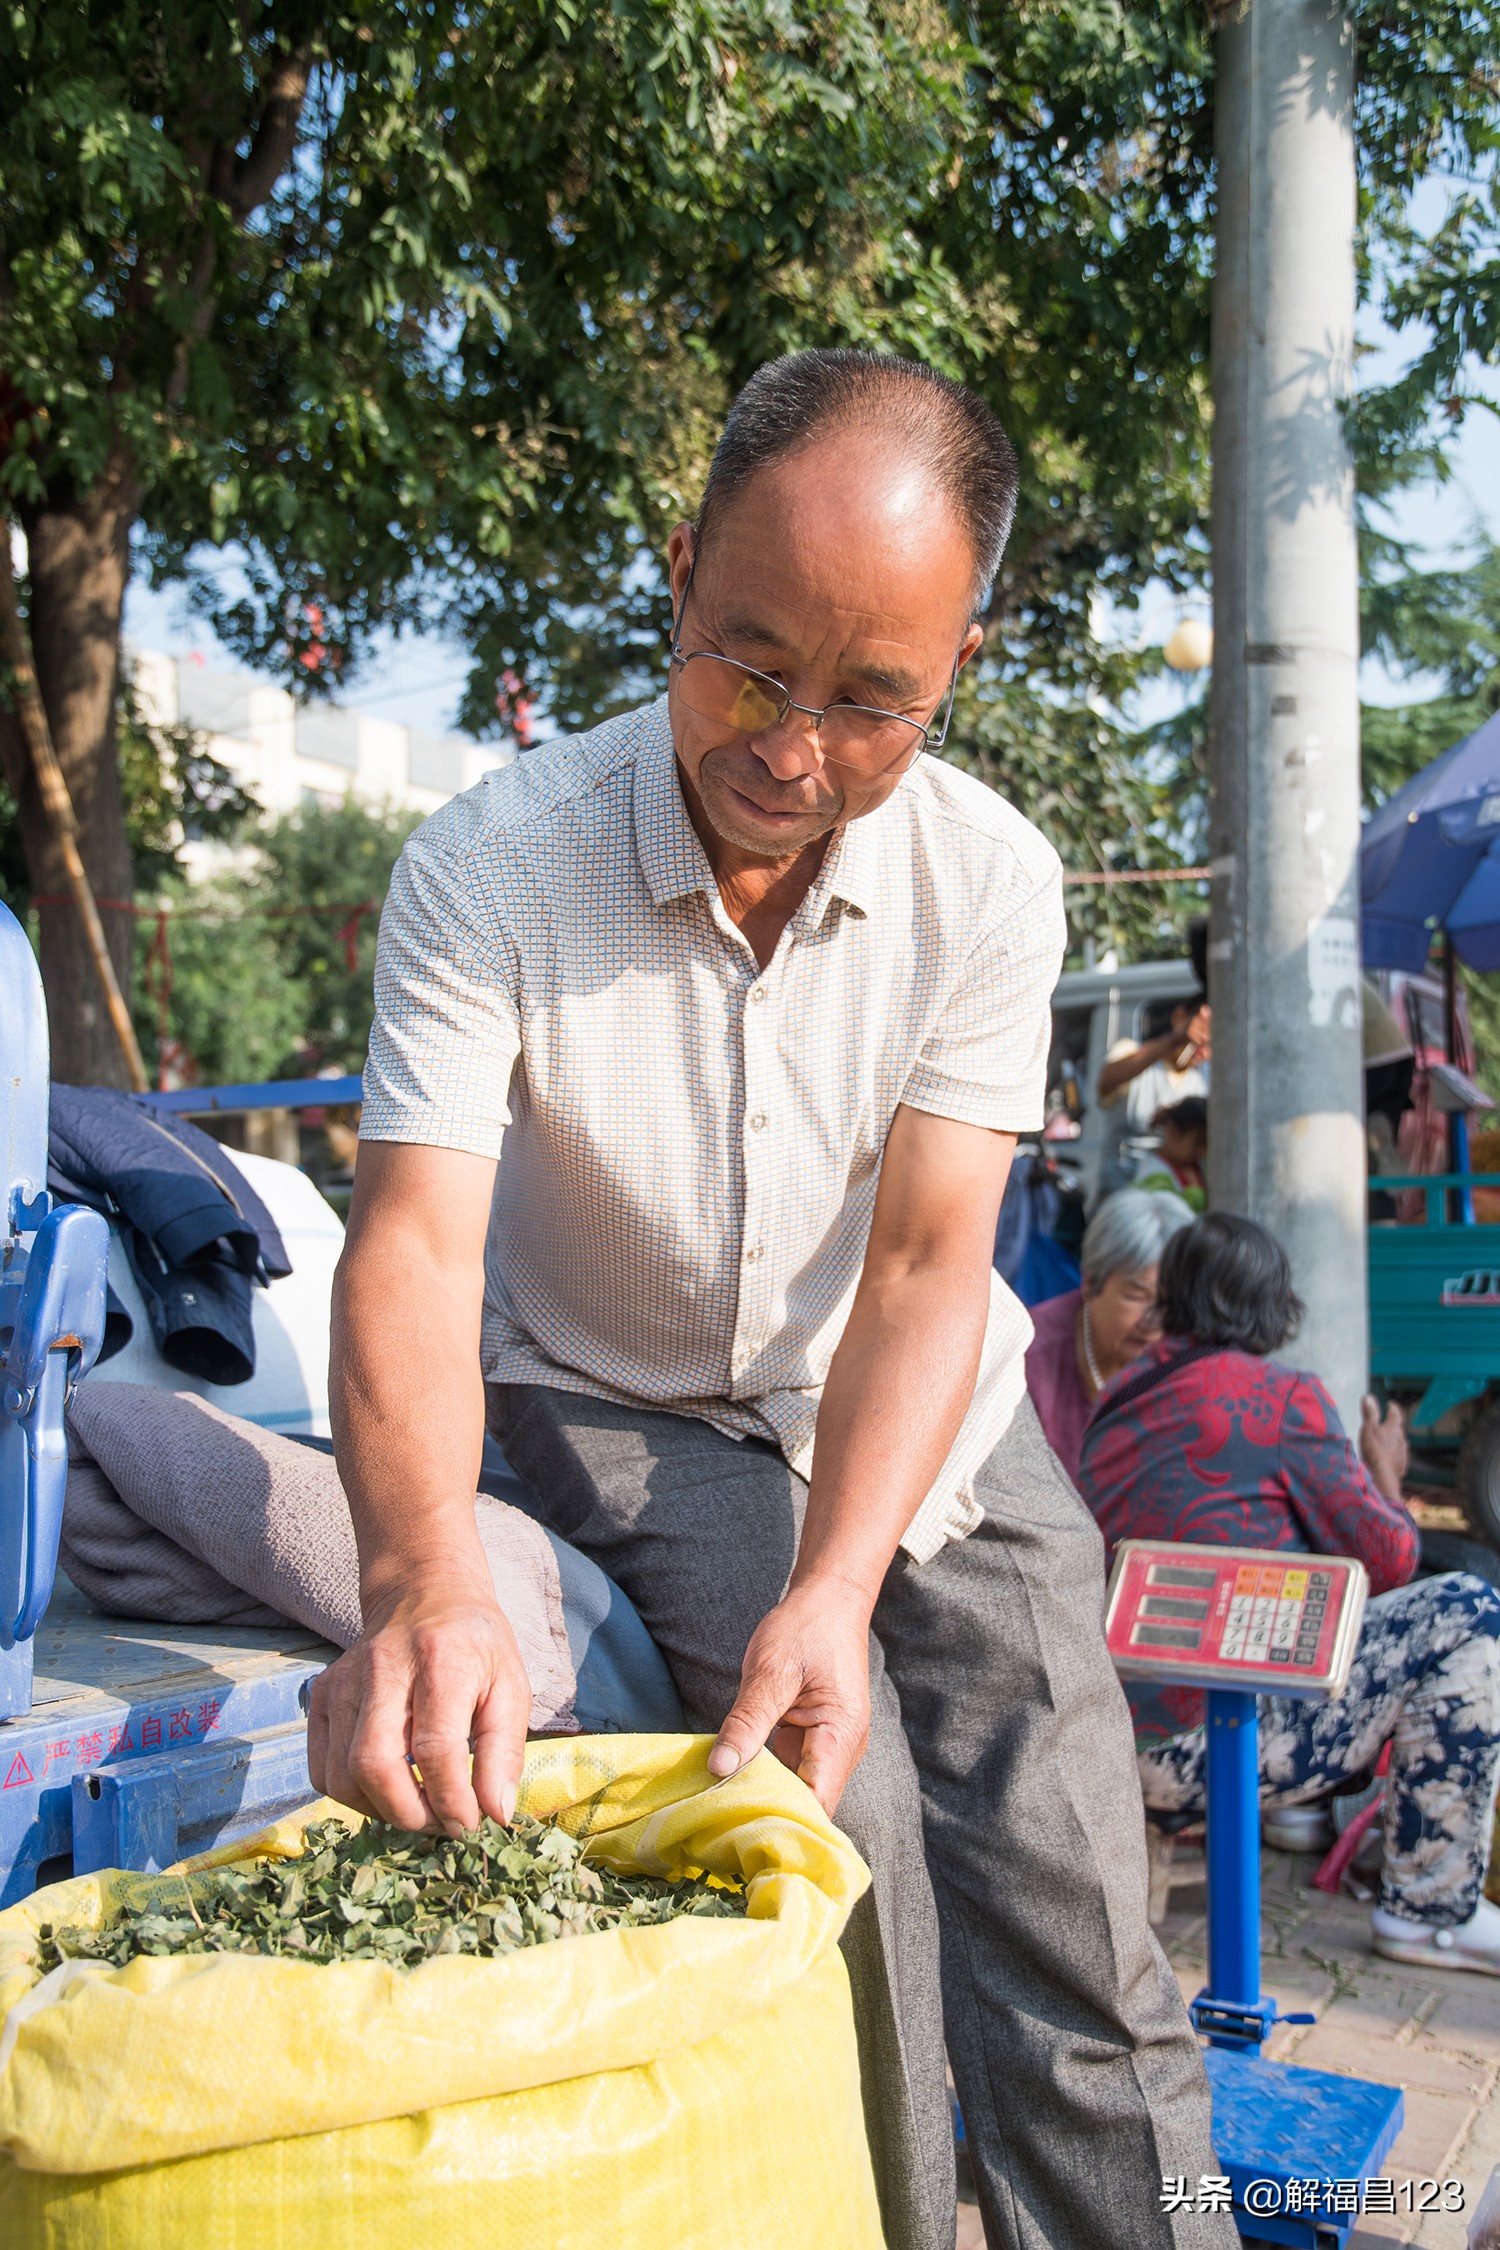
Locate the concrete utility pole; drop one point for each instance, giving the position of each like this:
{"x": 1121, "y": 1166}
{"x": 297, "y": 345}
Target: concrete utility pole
{"x": 1286, "y": 1134}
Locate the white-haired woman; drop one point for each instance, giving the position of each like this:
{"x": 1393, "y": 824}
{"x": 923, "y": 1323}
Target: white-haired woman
{"x": 1087, "y": 1336}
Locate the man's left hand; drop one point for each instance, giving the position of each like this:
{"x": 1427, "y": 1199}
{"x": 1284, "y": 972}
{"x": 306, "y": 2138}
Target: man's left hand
{"x": 805, "y": 1690}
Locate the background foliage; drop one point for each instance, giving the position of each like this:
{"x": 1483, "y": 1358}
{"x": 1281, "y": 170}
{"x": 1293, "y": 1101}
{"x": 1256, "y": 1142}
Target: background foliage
{"x": 430, "y": 312}
{"x": 258, "y": 983}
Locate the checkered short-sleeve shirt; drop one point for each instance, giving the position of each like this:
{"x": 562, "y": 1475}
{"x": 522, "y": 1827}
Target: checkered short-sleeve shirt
{"x": 689, "y": 1146}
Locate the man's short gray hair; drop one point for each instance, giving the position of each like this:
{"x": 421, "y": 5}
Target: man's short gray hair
{"x": 1129, "y": 1232}
{"x": 792, "y": 400}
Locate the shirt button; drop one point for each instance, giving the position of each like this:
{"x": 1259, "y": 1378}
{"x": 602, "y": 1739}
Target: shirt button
{"x": 758, "y": 1121}
{"x": 752, "y": 1255}
{"x": 758, "y": 995}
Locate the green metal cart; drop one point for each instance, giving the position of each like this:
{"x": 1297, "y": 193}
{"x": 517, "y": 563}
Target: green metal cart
{"x": 1435, "y": 1339}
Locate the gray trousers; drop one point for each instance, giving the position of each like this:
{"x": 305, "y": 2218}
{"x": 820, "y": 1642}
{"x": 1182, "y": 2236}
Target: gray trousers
{"x": 997, "y": 1807}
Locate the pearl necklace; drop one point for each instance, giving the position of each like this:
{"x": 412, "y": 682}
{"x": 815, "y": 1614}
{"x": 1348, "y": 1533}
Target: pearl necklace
{"x": 1088, "y": 1351}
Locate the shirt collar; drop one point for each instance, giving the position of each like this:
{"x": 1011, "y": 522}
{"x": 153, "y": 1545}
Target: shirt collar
{"x": 675, "y": 864}
{"x": 673, "y": 861}
{"x": 851, "y": 870}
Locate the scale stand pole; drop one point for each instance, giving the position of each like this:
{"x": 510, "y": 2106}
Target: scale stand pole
{"x": 1231, "y": 2011}
{"x": 1233, "y": 1848}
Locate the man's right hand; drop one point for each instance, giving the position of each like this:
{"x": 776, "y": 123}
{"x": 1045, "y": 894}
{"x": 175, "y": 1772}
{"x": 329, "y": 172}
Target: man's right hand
{"x": 437, "y": 1671}
{"x": 1191, "y": 1027}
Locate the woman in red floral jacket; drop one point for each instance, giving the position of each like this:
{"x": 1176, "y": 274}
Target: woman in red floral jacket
{"x": 1208, "y": 1439}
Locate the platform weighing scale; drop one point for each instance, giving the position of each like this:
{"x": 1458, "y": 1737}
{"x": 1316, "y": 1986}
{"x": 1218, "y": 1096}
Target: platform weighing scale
{"x": 1239, "y": 1621}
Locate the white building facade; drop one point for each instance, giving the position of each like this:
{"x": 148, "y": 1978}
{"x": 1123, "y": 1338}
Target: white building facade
{"x": 288, "y": 754}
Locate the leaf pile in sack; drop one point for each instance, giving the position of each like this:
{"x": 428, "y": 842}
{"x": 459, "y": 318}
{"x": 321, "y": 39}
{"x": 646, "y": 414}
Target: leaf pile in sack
{"x": 390, "y": 1894}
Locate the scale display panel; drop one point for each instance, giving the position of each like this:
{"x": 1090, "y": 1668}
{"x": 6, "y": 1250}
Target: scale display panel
{"x": 1241, "y": 1617}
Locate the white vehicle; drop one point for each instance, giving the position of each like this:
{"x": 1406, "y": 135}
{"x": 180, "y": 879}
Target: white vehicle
{"x": 289, "y": 1389}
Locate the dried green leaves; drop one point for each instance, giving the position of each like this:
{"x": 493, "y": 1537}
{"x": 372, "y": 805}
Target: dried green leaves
{"x": 388, "y": 1894}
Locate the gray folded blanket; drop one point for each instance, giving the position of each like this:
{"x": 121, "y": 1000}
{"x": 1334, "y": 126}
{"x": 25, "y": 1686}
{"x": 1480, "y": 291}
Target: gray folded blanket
{"x": 180, "y": 1512}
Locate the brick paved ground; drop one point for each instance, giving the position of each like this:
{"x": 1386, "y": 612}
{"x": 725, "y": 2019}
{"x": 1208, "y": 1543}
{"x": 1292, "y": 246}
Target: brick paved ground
{"x": 1434, "y": 2033}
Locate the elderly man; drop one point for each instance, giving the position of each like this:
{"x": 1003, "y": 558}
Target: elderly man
{"x": 749, "y": 1001}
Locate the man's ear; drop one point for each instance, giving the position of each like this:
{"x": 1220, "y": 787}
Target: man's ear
{"x": 681, "y": 548}
{"x": 972, "y": 642}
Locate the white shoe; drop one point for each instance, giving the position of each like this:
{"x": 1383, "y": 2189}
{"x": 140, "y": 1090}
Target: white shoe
{"x": 1475, "y": 1944}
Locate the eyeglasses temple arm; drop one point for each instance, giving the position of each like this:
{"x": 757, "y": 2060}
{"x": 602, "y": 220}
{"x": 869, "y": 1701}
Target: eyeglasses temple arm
{"x": 682, "y": 610}
{"x": 936, "y": 741}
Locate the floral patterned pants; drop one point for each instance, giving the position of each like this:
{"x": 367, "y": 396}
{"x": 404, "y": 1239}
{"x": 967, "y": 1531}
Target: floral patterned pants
{"x": 1426, "y": 1679}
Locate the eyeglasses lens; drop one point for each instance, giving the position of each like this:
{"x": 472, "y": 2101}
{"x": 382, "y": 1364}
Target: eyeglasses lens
{"x": 868, "y": 741}
{"x": 719, "y": 689}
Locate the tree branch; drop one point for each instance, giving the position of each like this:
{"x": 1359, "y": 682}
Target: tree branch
{"x": 254, "y": 176}
{"x": 242, "y": 184}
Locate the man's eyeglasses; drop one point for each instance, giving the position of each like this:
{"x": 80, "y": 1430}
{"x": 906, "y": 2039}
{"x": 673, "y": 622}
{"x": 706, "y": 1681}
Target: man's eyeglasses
{"x": 859, "y": 737}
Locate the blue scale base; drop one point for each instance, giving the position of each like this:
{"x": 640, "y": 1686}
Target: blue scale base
{"x": 1276, "y": 2123}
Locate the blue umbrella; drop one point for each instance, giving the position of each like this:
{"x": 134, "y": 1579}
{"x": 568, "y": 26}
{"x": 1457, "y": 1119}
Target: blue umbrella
{"x": 1430, "y": 860}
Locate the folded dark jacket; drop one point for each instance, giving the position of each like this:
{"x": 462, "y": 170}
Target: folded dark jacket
{"x": 201, "y": 1313}
{"x": 162, "y": 1174}
{"x": 196, "y": 1234}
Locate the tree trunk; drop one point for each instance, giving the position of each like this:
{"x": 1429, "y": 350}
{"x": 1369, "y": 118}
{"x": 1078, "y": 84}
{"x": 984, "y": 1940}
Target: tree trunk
{"x": 79, "y": 564}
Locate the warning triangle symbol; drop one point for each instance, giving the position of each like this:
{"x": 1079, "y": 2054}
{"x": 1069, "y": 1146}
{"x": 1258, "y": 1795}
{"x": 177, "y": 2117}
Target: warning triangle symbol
{"x": 19, "y": 1772}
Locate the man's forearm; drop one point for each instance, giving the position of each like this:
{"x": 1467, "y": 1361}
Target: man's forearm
{"x": 424, "y": 1718}
{"x": 900, "y": 1385}
{"x": 1114, "y": 1077}
{"x": 407, "y": 1403}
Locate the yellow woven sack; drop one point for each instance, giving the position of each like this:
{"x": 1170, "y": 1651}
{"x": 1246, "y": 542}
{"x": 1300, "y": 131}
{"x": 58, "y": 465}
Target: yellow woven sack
{"x": 690, "y": 2084}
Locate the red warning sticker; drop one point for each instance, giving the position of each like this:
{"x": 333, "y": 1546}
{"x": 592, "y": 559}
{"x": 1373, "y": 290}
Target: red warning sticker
{"x": 19, "y": 1772}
